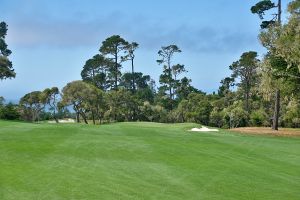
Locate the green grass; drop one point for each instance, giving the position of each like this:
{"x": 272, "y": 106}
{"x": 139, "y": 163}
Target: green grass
{"x": 144, "y": 161}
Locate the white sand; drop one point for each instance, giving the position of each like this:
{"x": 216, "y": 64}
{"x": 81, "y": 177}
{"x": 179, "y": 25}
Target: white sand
{"x": 203, "y": 129}
{"x": 63, "y": 121}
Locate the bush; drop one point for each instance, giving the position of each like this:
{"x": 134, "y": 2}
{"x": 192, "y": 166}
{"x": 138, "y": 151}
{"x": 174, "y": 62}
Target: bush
{"x": 216, "y": 118}
{"x": 259, "y": 118}
{"x": 235, "y": 116}
{"x": 9, "y": 112}
{"x": 292, "y": 115}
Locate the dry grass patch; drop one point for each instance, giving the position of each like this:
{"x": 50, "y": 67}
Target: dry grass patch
{"x": 268, "y": 131}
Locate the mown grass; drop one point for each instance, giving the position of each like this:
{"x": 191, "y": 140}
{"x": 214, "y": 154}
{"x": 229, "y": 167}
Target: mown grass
{"x": 144, "y": 161}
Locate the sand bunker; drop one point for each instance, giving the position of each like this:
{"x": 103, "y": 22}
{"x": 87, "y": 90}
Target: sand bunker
{"x": 63, "y": 121}
{"x": 204, "y": 129}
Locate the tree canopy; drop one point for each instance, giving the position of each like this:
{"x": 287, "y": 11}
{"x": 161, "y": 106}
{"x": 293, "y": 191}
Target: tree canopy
{"x": 6, "y": 68}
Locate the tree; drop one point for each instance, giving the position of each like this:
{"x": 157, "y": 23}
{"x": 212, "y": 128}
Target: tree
{"x": 122, "y": 105}
{"x": 292, "y": 115}
{"x": 77, "y": 94}
{"x": 226, "y": 84}
{"x": 287, "y": 42}
{"x": 95, "y": 71}
{"x": 216, "y": 118}
{"x": 32, "y": 104}
{"x": 9, "y": 112}
{"x": 261, "y": 7}
{"x": 259, "y": 118}
{"x": 235, "y": 116}
{"x": 141, "y": 81}
{"x": 196, "y": 108}
{"x": 51, "y": 96}
{"x": 184, "y": 88}
{"x": 282, "y": 42}
{"x": 246, "y": 70}
{"x": 2, "y": 100}
{"x": 96, "y": 103}
{"x": 130, "y": 50}
{"x": 166, "y": 79}
{"x": 6, "y": 69}
{"x": 115, "y": 46}
{"x": 177, "y": 70}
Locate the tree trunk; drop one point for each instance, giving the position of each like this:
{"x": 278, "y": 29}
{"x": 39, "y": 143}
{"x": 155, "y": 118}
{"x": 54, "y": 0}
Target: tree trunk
{"x": 84, "y": 117}
{"x": 276, "y": 110}
{"x": 277, "y": 93}
{"x": 133, "y": 78}
{"x": 33, "y": 116}
{"x": 247, "y": 102}
{"x": 77, "y": 117}
{"x": 93, "y": 117}
{"x": 116, "y": 71}
{"x": 55, "y": 118}
{"x": 170, "y": 84}
{"x": 279, "y": 11}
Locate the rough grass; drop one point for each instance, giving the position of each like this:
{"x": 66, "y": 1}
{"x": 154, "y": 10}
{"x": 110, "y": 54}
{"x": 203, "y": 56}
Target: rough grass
{"x": 144, "y": 161}
{"x": 289, "y": 132}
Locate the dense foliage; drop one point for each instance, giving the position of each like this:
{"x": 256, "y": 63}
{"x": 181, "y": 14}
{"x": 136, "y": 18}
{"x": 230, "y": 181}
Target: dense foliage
{"x": 6, "y": 70}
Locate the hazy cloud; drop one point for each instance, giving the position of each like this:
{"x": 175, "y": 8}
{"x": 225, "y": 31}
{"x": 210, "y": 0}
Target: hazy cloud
{"x": 32, "y": 32}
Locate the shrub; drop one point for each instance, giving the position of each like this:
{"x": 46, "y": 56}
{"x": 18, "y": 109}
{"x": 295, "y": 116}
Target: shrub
{"x": 9, "y": 112}
{"x": 235, "y": 116}
{"x": 259, "y": 118}
{"x": 216, "y": 118}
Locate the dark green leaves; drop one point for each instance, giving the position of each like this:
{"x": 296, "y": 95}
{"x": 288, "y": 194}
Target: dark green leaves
{"x": 261, "y": 7}
{"x": 6, "y": 70}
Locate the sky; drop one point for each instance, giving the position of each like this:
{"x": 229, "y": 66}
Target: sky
{"x": 51, "y": 40}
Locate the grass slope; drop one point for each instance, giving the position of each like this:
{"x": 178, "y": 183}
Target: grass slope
{"x": 144, "y": 161}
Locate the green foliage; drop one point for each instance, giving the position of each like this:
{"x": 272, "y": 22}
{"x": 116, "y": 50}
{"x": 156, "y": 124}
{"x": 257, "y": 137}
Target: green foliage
{"x": 168, "y": 79}
{"x": 9, "y": 112}
{"x": 82, "y": 96}
{"x": 261, "y": 7}
{"x": 122, "y": 106}
{"x": 115, "y": 47}
{"x": 216, "y": 118}
{"x": 292, "y": 115}
{"x": 259, "y": 118}
{"x": 153, "y": 113}
{"x": 141, "y": 81}
{"x": 184, "y": 88}
{"x": 32, "y": 104}
{"x": 145, "y": 94}
{"x": 288, "y": 41}
{"x": 6, "y": 69}
{"x": 196, "y": 108}
{"x": 226, "y": 84}
{"x": 245, "y": 69}
{"x": 265, "y": 5}
{"x": 95, "y": 71}
{"x": 2, "y": 100}
{"x": 294, "y": 7}
{"x": 235, "y": 115}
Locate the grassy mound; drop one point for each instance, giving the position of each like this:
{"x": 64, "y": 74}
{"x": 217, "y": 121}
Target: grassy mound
{"x": 144, "y": 161}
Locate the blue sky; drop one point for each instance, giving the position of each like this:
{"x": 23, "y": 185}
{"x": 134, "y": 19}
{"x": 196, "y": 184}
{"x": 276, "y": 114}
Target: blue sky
{"x": 51, "y": 40}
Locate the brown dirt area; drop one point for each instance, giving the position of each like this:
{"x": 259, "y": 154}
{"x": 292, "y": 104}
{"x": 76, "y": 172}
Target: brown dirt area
{"x": 268, "y": 131}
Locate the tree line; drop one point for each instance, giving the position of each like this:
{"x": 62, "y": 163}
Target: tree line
{"x": 258, "y": 92}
